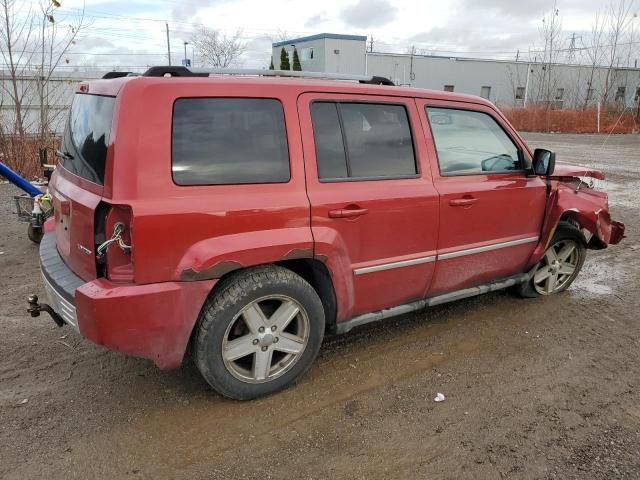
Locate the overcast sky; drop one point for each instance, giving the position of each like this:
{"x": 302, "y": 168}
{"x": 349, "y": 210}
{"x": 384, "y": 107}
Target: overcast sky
{"x": 122, "y": 33}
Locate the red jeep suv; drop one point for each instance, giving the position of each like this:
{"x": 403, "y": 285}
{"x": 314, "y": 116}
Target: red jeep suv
{"x": 241, "y": 217}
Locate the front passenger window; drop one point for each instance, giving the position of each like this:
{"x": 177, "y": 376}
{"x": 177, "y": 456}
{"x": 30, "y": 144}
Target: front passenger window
{"x": 471, "y": 143}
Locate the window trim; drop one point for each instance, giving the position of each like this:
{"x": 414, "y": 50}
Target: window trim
{"x": 286, "y": 138}
{"x": 345, "y": 144}
{"x": 521, "y": 156}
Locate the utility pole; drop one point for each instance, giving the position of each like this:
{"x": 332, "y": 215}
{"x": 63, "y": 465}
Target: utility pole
{"x": 371, "y": 44}
{"x": 412, "y": 75}
{"x": 517, "y": 56}
{"x": 526, "y": 87}
{"x": 166, "y": 24}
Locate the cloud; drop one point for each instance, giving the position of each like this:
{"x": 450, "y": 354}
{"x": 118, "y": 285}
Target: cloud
{"x": 527, "y": 10}
{"x": 189, "y": 9}
{"x": 369, "y": 13}
{"x": 91, "y": 42}
{"x": 258, "y": 53}
{"x": 464, "y": 36}
{"x": 509, "y": 8}
{"x": 316, "y": 20}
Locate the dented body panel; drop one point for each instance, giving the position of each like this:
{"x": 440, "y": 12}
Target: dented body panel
{"x": 565, "y": 170}
{"x": 572, "y": 200}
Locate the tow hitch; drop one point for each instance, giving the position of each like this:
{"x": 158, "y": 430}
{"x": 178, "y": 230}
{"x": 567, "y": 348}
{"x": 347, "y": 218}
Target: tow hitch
{"x": 35, "y": 308}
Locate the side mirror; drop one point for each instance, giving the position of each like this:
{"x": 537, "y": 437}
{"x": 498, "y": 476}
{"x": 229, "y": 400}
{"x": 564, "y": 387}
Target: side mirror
{"x": 544, "y": 162}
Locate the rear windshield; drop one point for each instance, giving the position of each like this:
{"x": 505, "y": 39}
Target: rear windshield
{"x": 86, "y": 136}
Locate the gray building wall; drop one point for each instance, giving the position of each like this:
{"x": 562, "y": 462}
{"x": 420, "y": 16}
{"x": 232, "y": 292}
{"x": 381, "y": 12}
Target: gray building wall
{"x": 568, "y": 86}
{"x": 349, "y": 59}
{"x": 502, "y": 82}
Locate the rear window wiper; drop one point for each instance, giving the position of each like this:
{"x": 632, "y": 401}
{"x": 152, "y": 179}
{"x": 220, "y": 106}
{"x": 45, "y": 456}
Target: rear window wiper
{"x": 64, "y": 155}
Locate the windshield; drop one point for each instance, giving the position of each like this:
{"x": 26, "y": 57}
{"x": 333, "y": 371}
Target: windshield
{"x": 86, "y": 136}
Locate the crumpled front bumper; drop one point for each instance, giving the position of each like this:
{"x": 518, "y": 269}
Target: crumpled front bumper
{"x": 617, "y": 232}
{"x": 152, "y": 321}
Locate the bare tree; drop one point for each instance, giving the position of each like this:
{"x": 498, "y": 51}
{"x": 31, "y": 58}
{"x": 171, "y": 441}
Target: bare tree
{"x": 281, "y": 35}
{"x": 32, "y": 45}
{"x": 595, "y": 51}
{"x": 552, "y": 34}
{"x": 54, "y": 46}
{"x": 620, "y": 21}
{"x": 218, "y": 50}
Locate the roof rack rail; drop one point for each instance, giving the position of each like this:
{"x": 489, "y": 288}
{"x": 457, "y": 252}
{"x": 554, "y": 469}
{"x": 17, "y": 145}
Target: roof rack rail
{"x": 179, "y": 71}
{"x": 109, "y": 75}
{"x": 171, "y": 71}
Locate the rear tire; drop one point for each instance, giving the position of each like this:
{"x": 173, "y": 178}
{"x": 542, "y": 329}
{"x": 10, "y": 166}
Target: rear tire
{"x": 35, "y": 234}
{"x": 560, "y": 264}
{"x": 259, "y": 332}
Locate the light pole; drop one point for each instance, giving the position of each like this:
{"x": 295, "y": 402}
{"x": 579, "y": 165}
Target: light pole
{"x": 185, "y": 54}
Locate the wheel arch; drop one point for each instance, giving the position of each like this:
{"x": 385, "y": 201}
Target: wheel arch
{"x": 311, "y": 270}
{"x": 588, "y": 211}
{"x": 318, "y": 276}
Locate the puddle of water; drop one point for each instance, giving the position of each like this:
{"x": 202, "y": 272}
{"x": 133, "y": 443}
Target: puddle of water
{"x": 593, "y": 286}
{"x": 602, "y": 276}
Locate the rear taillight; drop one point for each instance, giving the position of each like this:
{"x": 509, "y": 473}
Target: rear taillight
{"x": 117, "y": 258}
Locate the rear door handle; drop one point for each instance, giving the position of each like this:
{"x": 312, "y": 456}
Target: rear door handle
{"x": 348, "y": 212}
{"x": 463, "y": 202}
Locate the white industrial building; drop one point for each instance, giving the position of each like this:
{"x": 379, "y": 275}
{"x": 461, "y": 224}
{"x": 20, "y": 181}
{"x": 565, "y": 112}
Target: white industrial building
{"x": 504, "y": 82}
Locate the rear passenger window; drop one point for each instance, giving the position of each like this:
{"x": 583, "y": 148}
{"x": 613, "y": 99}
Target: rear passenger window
{"x": 471, "y": 143}
{"x": 362, "y": 141}
{"x": 217, "y": 141}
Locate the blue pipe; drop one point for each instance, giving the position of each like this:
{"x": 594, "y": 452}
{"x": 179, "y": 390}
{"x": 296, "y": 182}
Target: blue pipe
{"x": 18, "y": 181}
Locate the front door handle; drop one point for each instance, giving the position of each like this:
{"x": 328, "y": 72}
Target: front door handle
{"x": 463, "y": 202}
{"x": 348, "y": 212}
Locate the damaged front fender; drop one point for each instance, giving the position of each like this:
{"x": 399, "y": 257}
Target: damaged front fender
{"x": 571, "y": 200}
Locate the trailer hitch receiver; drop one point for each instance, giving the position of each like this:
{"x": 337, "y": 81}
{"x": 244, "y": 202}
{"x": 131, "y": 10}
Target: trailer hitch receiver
{"x": 36, "y": 308}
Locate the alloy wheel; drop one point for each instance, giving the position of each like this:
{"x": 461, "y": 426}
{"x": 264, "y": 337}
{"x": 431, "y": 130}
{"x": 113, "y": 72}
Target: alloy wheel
{"x": 265, "y": 339}
{"x": 557, "y": 267}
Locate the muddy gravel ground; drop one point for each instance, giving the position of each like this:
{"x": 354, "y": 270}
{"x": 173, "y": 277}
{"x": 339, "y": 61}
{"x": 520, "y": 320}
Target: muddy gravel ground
{"x": 536, "y": 389}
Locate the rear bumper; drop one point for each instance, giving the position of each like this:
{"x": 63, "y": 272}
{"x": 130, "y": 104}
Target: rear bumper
{"x": 152, "y": 321}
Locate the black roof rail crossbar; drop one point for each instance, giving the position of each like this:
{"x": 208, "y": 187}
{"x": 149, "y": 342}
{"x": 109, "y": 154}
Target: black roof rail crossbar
{"x": 377, "y": 80}
{"x": 172, "y": 71}
{"x": 180, "y": 71}
{"x": 109, "y": 75}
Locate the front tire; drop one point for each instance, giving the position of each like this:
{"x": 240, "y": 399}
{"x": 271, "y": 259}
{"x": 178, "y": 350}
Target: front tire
{"x": 259, "y": 332}
{"x": 560, "y": 265}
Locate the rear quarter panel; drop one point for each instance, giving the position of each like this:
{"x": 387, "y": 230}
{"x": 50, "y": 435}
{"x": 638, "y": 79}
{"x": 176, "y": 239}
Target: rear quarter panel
{"x": 202, "y": 232}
